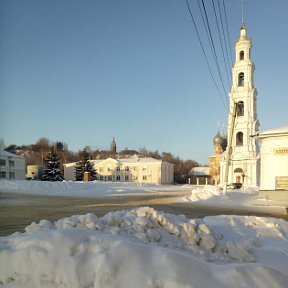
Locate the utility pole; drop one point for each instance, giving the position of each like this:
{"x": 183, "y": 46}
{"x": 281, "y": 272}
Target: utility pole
{"x": 229, "y": 147}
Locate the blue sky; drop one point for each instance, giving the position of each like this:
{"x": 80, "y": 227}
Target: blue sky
{"x": 85, "y": 71}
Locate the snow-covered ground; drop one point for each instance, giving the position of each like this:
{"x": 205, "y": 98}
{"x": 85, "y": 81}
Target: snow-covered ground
{"x": 205, "y": 195}
{"x": 87, "y": 189}
{"x": 144, "y": 247}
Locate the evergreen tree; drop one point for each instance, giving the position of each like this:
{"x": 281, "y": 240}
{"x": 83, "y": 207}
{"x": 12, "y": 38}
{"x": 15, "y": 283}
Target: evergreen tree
{"x": 89, "y": 168}
{"x": 51, "y": 171}
{"x": 84, "y": 165}
{"x": 85, "y": 156}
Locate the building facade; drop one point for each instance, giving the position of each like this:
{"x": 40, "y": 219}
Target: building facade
{"x": 241, "y": 159}
{"x": 274, "y": 163}
{"x": 12, "y": 167}
{"x": 199, "y": 176}
{"x": 34, "y": 172}
{"x": 133, "y": 169}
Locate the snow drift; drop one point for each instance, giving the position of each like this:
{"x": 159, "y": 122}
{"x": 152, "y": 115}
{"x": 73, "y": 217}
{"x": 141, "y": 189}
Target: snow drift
{"x": 144, "y": 247}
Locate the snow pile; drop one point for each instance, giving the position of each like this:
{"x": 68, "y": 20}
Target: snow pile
{"x": 205, "y": 193}
{"x": 215, "y": 194}
{"x": 148, "y": 225}
{"x": 144, "y": 247}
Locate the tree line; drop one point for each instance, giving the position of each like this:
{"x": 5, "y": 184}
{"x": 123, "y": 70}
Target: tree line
{"x": 35, "y": 154}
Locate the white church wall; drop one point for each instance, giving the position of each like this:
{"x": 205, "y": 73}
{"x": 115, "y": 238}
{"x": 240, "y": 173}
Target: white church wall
{"x": 274, "y": 163}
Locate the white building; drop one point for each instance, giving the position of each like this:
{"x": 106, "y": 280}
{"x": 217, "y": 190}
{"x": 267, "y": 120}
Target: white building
{"x": 131, "y": 169}
{"x": 243, "y": 165}
{"x": 12, "y": 167}
{"x": 274, "y": 163}
{"x": 199, "y": 175}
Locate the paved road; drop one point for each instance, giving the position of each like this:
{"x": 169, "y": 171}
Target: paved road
{"x": 18, "y": 210}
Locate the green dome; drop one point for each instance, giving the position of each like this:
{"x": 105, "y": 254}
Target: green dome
{"x": 218, "y": 139}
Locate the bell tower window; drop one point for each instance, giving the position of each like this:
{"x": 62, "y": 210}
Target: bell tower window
{"x": 240, "y": 108}
{"x": 239, "y": 139}
{"x": 241, "y": 79}
{"x": 241, "y": 55}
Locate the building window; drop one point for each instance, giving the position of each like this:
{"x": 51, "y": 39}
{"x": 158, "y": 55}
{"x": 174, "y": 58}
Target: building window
{"x": 241, "y": 55}
{"x": 118, "y": 178}
{"x": 11, "y": 175}
{"x": 3, "y": 175}
{"x": 2, "y": 162}
{"x": 144, "y": 177}
{"x": 239, "y": 139}
{"x": 241, "y": 79}
{"x": 127, "y": 168}
{"x": 118, "y": 168}
{"x": 240, "y": 108}
{"x": 238, "y": 170}
{"x": 126, "y": 177}
{"x": 11, "y": 163}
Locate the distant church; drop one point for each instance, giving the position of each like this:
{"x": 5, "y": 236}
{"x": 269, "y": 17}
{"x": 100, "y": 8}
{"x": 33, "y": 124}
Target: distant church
{"x": 243, "y": 164}
{"x": 220, "y": 144}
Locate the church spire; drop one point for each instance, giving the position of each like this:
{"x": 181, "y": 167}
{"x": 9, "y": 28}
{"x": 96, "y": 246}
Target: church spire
{"x": 242, "y": 13}
{"x": 113, "y": 150}
{"x": 243, "y": 31}
{"x": 243, "y": 27}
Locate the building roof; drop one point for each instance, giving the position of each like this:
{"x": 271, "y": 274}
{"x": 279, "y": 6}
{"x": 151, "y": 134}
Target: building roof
{"x": 136, "y": 159}
{"x": 279, "y": 131}
{"x": 4, "y": 153}
{"x": 131, "y": 160}
{"x": 199, "y": 171}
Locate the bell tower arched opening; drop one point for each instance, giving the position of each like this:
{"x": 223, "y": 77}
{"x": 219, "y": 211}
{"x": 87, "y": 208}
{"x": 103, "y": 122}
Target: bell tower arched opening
{"x": 240, "y": 108}
{"x": 239, "y": 139}
{"x": 241, "y": 79}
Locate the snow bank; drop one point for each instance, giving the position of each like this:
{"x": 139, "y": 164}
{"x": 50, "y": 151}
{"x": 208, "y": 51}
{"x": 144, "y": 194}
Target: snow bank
{"x": 215, "y": 194}
{"x": 205, "y": 193}
{"x": 144, "y": 247}
{"x": 86, "y": 189}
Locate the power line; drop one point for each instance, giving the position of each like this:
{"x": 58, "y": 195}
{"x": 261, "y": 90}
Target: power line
{"x": 206, "y": 59}
{"x": 228, "y": 34}
{"x": 221, "y": 43}
{"x": 209, "y": 40}
{"x": 214, "y": 50}
{"x": 205, "y": 25}
{"x": 225, "y": 41}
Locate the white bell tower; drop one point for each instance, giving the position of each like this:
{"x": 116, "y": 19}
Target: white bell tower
{"x": 243, "y": 166}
